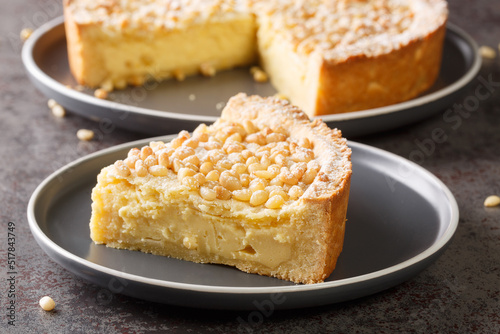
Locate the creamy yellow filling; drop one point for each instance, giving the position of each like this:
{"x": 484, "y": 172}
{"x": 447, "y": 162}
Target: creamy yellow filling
{"x": 121, "y": 58}
{"x": 178, "y": 222}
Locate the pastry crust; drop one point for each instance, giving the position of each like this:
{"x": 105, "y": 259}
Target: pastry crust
{"x": 326, "y": 56}
{"x": 299, "y": 239}
{"x": 365, "y": 83}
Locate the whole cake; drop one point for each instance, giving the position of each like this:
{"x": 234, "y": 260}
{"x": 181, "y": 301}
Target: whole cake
{"x": 326, "y": 56}
{"x": 263, "y": 189}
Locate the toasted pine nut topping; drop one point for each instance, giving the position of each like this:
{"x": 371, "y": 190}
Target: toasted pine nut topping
{"x": 492, "y": 201}
{"x": 85, "y": 134}
{"x": 487, "y": 52}
{"x": 57, "y": 109}
{"x": 101, "y": 93}
{"x": 47, "y": 303}
{"x": 258, "y": 74}
{"x": 247, "y": 162}
{"x": 207, "y": 69}
{"x": 25, "y": 34}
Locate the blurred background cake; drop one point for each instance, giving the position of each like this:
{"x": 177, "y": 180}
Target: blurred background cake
{"x": 325, "y": 56}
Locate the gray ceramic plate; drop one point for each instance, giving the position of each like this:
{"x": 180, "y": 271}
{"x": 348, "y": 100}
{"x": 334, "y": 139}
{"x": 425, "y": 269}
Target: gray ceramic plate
{"x": 159, "y": 109}
{"x": 400, "y": 219}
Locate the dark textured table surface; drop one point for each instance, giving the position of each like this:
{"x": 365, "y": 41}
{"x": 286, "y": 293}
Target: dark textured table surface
{"x": 459, "y": 293}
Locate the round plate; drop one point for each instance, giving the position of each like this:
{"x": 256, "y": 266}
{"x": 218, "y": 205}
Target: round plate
{"x": 170, "y": 106}
{"x": 400, "y": 218}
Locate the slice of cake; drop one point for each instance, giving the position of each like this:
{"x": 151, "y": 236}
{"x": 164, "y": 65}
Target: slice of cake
{"x": 263, "y": 189}
{"x": 325, "y": 56}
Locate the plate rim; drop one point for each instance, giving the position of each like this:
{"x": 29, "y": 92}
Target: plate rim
{"x": 32, "y": 68}
{"x": 438, "y": 245}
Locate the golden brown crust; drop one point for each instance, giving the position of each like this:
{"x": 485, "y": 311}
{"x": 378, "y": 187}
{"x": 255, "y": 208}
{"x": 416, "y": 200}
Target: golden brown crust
{"x": 75, "y": 56}
{"x": 363, "y": 82}
{"x": 85, "y": 60}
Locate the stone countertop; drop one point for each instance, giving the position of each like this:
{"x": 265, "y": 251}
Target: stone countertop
{"x": 459, "y": 293}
